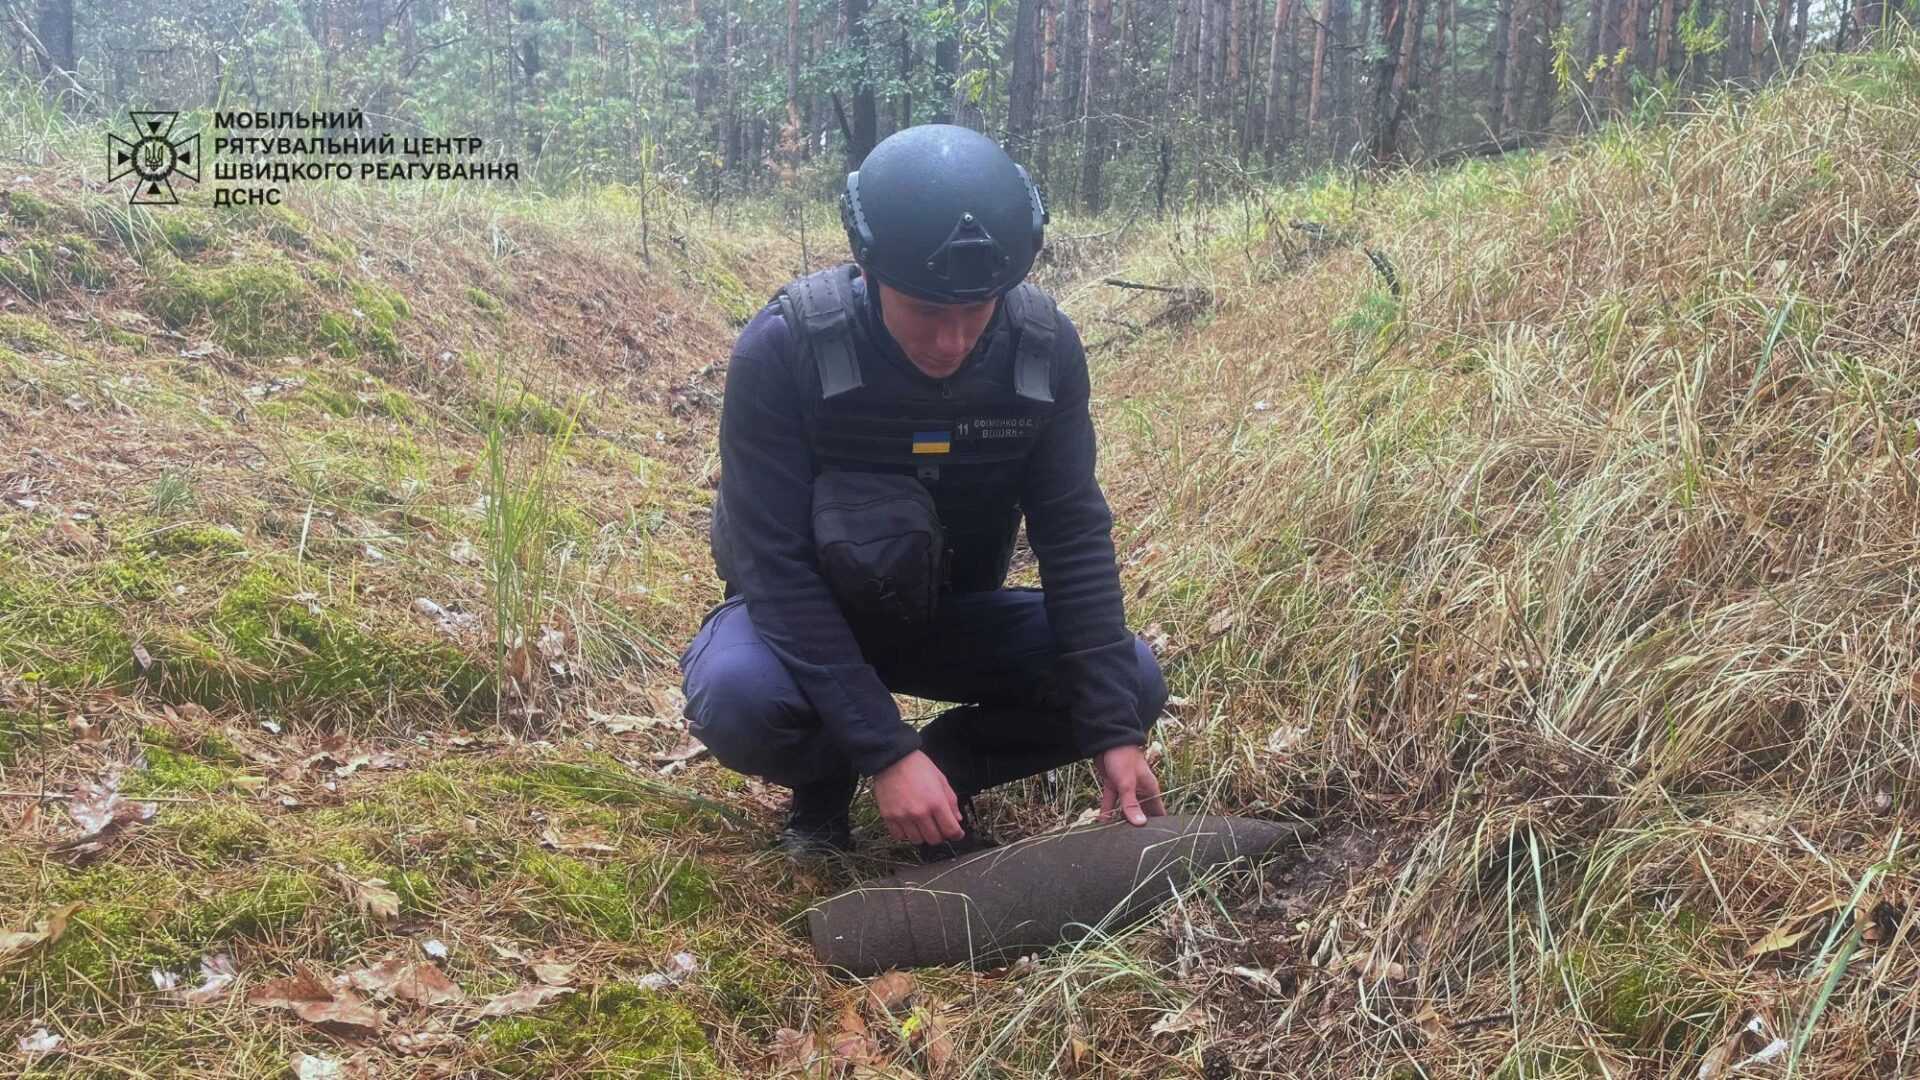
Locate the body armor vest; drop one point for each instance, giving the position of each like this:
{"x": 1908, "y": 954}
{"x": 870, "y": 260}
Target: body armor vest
{"x": 966, "y": 438}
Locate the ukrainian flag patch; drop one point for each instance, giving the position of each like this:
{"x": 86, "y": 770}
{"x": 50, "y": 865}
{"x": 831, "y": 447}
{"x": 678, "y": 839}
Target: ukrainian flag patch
{"x": 932, "y": 442}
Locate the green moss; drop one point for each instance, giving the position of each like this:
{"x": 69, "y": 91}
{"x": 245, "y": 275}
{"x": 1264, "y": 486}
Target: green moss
{"x": 486, "y": 302}
{"x": 292, "y": 230}
{"x": 136, "y": 575}
{"x": 185, "y": 233}
{"x": 170, "y": 772}
{"x": 1641, "y": 986}
{"x": 32, "y": 210}
{"x": 366, "y": 397}
{"x": 135, "y": 920}
{"x": 597, "y": 780}
{"x": 368, "y": 326}
{"x": 335, "y": 332}
{"x": 606, "y": 1031}
{"x": 604, "y": 903}
{"x": 323, "y": 656}
{"x": 590, "y": 900}
{"x": 255, "y": 308}
{"x": 50, "y": 635}
{"x": 215, "y": 834}
{"x": 108, "y": 950}
{"x": 203, "y": 742}
{"x": 525, "y": 412}
{"x": 28, "y": 272}
{"x": 271, "y": 904}
{"x": 29, "y": 334}
{"x": 192, "y": 539}
{"x": 735, "y": 299}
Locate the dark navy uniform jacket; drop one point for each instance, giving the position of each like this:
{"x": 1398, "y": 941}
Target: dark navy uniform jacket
{"x": 764, "y": 549}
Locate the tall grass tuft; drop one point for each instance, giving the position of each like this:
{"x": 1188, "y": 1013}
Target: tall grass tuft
{"x": 525, "y": 556}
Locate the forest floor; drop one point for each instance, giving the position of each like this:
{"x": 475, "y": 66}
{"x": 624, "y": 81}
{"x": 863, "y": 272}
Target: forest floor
{"x": 1546, "y": 530}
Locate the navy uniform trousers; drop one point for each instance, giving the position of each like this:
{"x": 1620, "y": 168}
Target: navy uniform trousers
{"x": 992, "y": 651}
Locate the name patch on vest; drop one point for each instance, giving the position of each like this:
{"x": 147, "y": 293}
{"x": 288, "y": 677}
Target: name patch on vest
{"x": 1008, "y": 427}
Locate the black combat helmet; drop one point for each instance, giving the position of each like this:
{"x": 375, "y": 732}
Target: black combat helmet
{"x": 942, "y": 213}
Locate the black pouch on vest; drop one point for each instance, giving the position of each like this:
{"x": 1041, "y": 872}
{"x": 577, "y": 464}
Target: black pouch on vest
{"x": 880, "y": 544}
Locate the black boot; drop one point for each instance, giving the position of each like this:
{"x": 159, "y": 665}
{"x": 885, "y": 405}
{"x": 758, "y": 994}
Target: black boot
{"x": 818, "y": 822}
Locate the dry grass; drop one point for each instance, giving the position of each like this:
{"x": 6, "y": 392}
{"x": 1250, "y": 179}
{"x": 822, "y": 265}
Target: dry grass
{"x": 1584, "y": 570}
{"x": 1572, "y": 588}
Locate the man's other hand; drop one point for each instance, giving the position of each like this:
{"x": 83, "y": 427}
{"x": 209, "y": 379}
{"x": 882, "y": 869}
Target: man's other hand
{"x": 1127, "y": 785}
{"x": 916, "y": 802}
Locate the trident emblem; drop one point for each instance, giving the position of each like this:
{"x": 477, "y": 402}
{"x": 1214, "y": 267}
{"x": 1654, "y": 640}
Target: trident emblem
{"x": 154, "y": 157}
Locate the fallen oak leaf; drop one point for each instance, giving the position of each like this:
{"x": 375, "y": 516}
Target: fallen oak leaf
{"x": 525, "y": 999}
{"x": 851, "y": 1044}
{"x": 377, "y": 980}
{"x": 420, "y": 982}
{"x": 794, "y": 1051}
{"x": 45, "y": 932}
{"x": 312, "y": 1000}
{"x": 890, "y": 992}
{"x": 1174, "y": 1023}
{"x": 552, "y": 972}
{"x": 373, "y": 897}
{"x": 688, "y": 750}
{"x": 428, "y": 985}
{"x": 1777, "y": 939}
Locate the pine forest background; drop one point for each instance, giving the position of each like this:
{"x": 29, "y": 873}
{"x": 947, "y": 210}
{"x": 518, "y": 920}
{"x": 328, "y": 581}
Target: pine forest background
{"x": 1116, "y": 105}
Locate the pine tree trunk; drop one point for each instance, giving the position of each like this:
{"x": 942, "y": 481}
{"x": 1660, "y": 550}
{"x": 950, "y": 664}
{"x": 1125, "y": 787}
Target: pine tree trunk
{"x": 53, "y": 25}
{"x": 1403, "y": 86}
{"x": 790, "y": 136}
{"x": 1625, "y": 45}
{"x": 1251, "y": 114}
{"x": 1663, "y": 50}
{"x": 1277, "y": 57}
{"x": 1046, "y": 108}
{"x": 1316, "y": 84}
{"x": 1738, "y": 63}
{"x": 1176, "y": 60}
{"x": 698, "y": 44}
{"x": 1023, "y": 84}
{"x": 1236, "y": 34}
{"x": 1093, "y": 151}
{"x": 1500, "y": 96}
{"x": 1541, "y": 111}
{"x": 863, "y": 125}
{"x": 1520, "y": 66}
{"x": 731, "y": 154}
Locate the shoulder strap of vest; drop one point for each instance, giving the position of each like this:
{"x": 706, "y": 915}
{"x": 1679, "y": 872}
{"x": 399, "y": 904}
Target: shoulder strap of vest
{"x": 818, "y": 309}
{"x": 1032, "y": 311}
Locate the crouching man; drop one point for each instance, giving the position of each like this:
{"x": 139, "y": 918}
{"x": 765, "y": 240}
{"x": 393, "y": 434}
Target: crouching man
{"x": 887, "y": 423}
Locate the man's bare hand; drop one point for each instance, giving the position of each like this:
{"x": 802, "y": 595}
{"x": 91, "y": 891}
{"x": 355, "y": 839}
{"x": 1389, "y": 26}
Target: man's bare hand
{"x": 916, "y": 802}
{"x": 1127, "y": 784}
